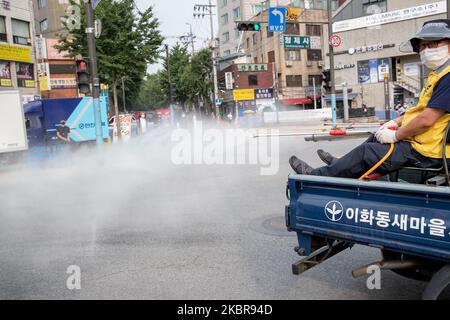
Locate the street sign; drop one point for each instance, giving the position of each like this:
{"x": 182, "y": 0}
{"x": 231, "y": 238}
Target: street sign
{"x": 218, "y": 101}
{"x": 97, "y": 28}
{"x": 297, "y": 42}
{"x": 277, "y": 19}
{"x": 95, "y": 3}
{"x": 335, "y": 40}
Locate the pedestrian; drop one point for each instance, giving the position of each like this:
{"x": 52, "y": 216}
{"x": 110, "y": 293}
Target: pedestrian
{"x": 63, "y": 132}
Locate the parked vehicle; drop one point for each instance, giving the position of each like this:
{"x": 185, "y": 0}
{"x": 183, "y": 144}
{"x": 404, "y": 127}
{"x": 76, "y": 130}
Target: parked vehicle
{"x": 44, "y": 116}
{"x": 13, "y": 138}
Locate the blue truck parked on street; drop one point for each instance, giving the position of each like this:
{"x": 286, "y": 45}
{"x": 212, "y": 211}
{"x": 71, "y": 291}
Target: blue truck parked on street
{"x": 43, "y": 118}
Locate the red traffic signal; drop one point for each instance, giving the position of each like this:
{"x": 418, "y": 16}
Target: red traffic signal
{"x": 83, "y": 76}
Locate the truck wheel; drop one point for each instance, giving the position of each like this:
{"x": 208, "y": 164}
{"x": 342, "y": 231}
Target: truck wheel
{"x": 422, "y": 274}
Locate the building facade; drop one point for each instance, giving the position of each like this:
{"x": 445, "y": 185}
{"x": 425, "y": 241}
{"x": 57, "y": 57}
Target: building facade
{"x": 48, "y": 17}
{"x": 297, "y": 55}
{"x": 372, "y": 34}
{"x": 17, "y": 48}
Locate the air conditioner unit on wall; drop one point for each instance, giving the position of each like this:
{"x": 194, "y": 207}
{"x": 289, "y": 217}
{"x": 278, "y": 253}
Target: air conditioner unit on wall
{"x": 309, "y": 64}
{"x": 320, "y": 64}
{"x": 289, "y": 63}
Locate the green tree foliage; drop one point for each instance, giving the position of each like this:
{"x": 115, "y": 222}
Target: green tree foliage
{"x": 130, "y": 41}
{"x": 153, "y": 93}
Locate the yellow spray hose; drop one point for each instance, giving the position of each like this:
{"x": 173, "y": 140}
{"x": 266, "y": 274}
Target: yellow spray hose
{"x": 375, "y": 167}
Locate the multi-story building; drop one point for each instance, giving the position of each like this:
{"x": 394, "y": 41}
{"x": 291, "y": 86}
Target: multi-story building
{"x": 56, "y": 72}
{"x": 48, "y": 17}
{"x": 297, "y": 55}
{"x": 373, "y": 33}
{"x": 17, "y": 51}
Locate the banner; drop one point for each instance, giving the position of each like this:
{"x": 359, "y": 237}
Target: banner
{"x": 5, "y": 74}
{"x": 14, "y": 53}
{"x": 244, "y": 95}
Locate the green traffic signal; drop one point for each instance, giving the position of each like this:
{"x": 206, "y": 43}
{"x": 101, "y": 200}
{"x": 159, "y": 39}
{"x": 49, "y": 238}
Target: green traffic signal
{"x": 249, "y": 26}
{"x": 257, "y": 27}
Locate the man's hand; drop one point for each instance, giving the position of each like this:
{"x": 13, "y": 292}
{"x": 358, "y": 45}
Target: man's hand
{"x": 386, "y": 136}
{"x": 389, "y": 124}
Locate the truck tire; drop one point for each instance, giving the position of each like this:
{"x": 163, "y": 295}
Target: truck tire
{"x": 422, "y": 274}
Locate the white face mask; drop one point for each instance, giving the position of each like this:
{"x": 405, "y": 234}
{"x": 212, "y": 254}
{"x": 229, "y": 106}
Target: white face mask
{"x": 434, "y": 58}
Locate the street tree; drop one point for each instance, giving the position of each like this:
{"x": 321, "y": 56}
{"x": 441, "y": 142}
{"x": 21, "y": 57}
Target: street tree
{"x": 130, "y": 41}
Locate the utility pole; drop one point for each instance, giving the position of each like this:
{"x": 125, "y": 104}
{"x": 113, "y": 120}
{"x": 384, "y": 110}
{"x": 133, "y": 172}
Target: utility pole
{"x": 208, "y": 9}
{"x": 191, "y": 37}
{"x": 170, "y": 85}
{"x": 332, "y": 74}
{"x": 95, "y": 81}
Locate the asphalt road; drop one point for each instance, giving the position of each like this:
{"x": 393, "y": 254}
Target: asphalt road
{"x": 140, "y": 227}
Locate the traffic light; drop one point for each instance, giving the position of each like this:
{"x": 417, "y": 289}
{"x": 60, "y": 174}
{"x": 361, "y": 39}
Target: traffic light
{"x": 83, "y": 76}
{"x": 326, "y": 81}
{"x": 249, "y": 26}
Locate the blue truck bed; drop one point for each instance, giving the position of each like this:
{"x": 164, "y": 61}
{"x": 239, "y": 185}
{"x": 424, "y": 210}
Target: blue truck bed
{"x": 406, "y": 218}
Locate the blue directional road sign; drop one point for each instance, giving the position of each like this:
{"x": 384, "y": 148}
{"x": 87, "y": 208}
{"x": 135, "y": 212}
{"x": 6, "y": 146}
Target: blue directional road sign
{"x": 277, "y": 19}
{"x": 218, "y": 101}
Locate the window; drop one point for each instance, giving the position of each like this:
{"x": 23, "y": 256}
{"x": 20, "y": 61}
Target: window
{"x": 254, "y": 38}
{"x": 223, "y": 3}
{"x": 314, "y": 55}
{"x": 5, "y": 74}
{"x": 269, "y": 34}
{"x": 3, "y": 36}
{"x": 21, "y": 32}
{"x": 292, "y": 28}
{"x": 41, "y": 4}
{"x": 226, "y": 53}
{"x": 292, "y": 55}
{"x": 226, "y": 37}
{"x": 237, "y": 13}
{"x": 271, "y": 56}
{"x": 43, "y": 25}
{"x": 317, "y": 79}
{"x": 256, "y": 9}
{"x": 248, "y": 43}
{"x": 374, "y": 6}
{"x": 294, "y": 81}
{"x": 224, "y": 19}
{"x": 313, "y": 30}
{"x": 237, "y": 33}
{"x": 252, "y": 80}
{"x": 25, "y": 75}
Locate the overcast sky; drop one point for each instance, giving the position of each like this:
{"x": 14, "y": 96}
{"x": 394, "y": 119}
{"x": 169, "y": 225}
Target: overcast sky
{"x": 174, "y": 14}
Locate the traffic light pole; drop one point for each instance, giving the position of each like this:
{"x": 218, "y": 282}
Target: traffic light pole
{"x": 332, "y": 75}
{"x": 94, "y": 72}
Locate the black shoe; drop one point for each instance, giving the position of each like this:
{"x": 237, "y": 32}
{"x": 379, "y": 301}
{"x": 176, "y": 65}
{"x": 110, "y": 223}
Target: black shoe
{"x": 326, "y": 157}
{"x": 299, "y": 166}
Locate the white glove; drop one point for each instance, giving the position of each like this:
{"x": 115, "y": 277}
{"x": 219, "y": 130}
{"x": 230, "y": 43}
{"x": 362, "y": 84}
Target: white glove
{"x": 386, "y": 136}
{"x": 389, "y": 124}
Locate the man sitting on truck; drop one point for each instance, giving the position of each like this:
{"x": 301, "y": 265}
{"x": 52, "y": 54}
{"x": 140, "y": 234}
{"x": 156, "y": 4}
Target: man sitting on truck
{"x": 419, "y": 132}
{"x": 63, "y": 132}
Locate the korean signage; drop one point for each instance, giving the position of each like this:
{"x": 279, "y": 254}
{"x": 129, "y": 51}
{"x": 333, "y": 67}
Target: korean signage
{"x": 125, "y": 127}
{"x": 5, "y": 4}
{"x": 373, "y": 71}
{"x": 316, "y": 42}
{"x": 297, "y": 42}
{"x": 264, "y": 93}
{"x": 229, "y": 80}
{"x": 53, "y": 53}
{"x": 391, "y": 16}
{"x": 41, "y": 48}
{"x": 63, "y": 83}
{"x": 5, "y": 74}
{"x": 243, "y": 94}
{"x": 15, "y": 53}
{"x": 252, "y": 67}
{"x": 292, "y": 14}
{"x": 411, "y": 222}
{"x": 364, "y": 49}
